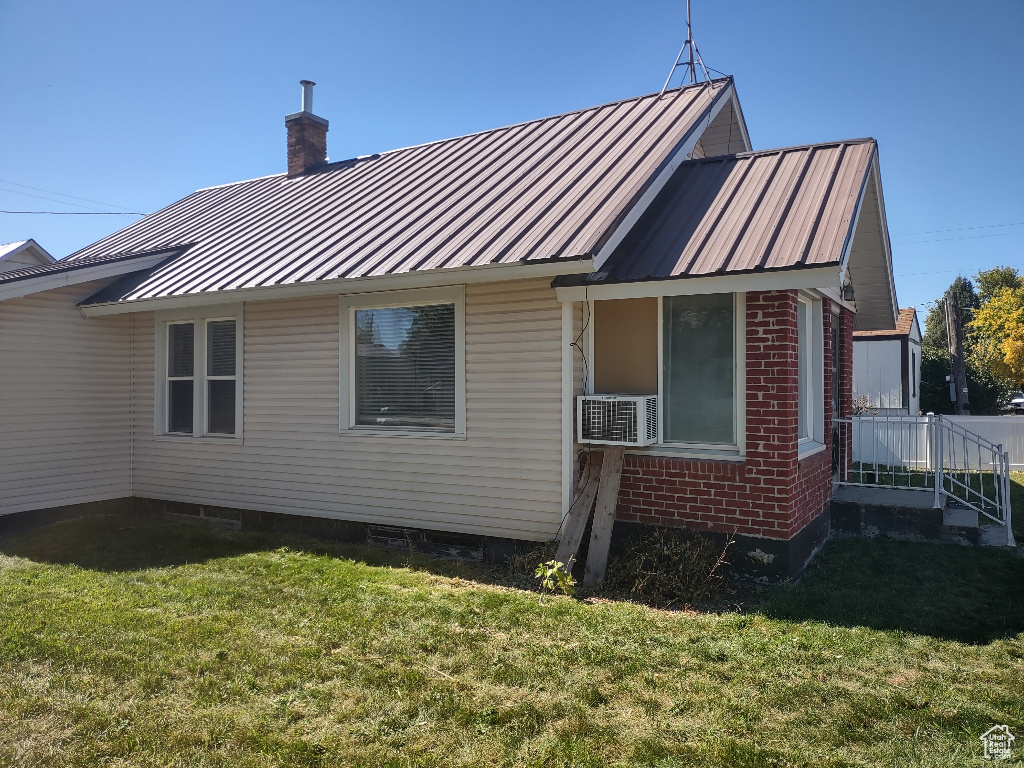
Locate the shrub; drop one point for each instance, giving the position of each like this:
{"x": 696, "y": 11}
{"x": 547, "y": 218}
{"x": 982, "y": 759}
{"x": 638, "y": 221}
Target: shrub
{"x": 670, "y": 565}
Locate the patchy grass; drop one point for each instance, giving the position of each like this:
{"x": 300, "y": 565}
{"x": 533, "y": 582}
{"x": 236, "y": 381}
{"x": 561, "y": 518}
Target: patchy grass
{"x": 155, "y": 642}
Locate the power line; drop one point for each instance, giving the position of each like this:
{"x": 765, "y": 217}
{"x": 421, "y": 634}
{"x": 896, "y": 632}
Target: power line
{"x": 78, "y": 213}
{"x": 62, "y": 194}
{"x": 959, "y": 229}
{"x": 49, "y": 199}
{"x": 966, "y": 237}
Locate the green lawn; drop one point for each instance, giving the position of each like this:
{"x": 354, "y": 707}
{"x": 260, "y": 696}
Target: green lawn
{"x": 148, "y": 641}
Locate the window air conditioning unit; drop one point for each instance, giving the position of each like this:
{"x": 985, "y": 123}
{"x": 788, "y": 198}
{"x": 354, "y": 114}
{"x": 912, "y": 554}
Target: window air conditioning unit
{"x": 617, "y": 419}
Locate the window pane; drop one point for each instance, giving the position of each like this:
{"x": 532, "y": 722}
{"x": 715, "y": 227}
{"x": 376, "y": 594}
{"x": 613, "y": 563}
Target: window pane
{"x": 221, "y": 406}
{"x": 181, "y": 349}
{"x": 179, "y": 402}
{"x": 405, "y": 366}
{"x": 803, "y": 360}
{"x": 699, "y": 362}
{"x": 220, "y": 348}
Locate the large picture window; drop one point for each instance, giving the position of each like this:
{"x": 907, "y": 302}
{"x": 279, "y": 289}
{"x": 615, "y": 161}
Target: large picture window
{"x": 405, "y": 367}
{"x": 405, "y": 362}
{"x": 198, "y": 374}
{"x": 699, "y": 370}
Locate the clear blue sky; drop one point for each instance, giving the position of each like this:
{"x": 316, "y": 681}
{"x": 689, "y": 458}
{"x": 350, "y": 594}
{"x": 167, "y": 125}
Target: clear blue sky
{"x": 138, "y": 104}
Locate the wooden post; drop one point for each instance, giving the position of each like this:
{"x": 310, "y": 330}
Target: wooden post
{"x": 955, "y": 336}
{"x": 604, "y": 516}
{"x": 576, "y": 519}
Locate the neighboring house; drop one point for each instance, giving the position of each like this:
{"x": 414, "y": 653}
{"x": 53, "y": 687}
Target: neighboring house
{"x": 887, "y": 367}
{"x": 24, "y": 253}
{"x": 399, "y": 339}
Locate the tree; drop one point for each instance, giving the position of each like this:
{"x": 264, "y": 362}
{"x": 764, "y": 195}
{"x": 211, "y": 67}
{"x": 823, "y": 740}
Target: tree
{"x": 988, "y": 394}
{"x": 935, "y": 321}
{"x": 991, "y": 281}
{"x": 986, "y": 390}
{"x": 998, "y": 333}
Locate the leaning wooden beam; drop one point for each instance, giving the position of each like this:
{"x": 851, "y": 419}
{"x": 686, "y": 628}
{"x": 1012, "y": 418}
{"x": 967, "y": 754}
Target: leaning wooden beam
{"x": 576, "y": 520}
{"x": 604, "y": 516}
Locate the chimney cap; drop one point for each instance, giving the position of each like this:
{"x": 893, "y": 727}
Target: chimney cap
{"x": 306, "y": 82}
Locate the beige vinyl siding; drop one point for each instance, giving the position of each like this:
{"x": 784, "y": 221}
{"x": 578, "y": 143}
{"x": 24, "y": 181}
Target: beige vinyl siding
{"x": 502, "y": 480}
{"x": 64, "y": 402}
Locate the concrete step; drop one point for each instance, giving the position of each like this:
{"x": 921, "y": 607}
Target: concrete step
{"x": 908, "y": 515}
{"x": 903, "y": 498}
{"x": 993, "y": 536}
{"x": 960, "y": 525}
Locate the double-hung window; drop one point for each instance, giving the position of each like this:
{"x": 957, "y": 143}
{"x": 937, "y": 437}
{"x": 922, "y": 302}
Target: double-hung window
{"x": 199, "y": 379}
{"x": 810, "y": 373}
{"x": 403, "y": 353}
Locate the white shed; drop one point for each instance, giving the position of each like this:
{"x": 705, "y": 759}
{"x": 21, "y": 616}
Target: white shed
{"x": 887, "y": 367}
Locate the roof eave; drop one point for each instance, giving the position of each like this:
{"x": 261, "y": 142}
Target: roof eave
{"x": 76, "y": 275}
{"x": 483, "y": 273}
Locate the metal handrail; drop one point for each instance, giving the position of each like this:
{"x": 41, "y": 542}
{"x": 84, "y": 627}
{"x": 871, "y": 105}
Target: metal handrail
{"x": 928, "y": 453}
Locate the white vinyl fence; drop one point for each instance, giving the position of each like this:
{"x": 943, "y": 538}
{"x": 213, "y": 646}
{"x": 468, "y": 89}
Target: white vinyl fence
{"x": 1005, "y": 430}
{"x": 903, "y": 440}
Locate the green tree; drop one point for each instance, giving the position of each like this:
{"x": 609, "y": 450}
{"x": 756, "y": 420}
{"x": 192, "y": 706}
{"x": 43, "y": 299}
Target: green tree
{"x": 991, "y": 281}
{"x": 935, "y": 320}
{"x": 987, "y": 392}
{"x": 988, "y": 395}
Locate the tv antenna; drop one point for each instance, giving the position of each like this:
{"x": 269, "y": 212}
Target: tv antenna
{"x": 693, "y": 59}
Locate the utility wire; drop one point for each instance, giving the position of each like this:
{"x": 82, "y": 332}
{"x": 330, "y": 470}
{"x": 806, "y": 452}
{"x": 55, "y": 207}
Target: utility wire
{"x": 62, "y": 194}
{"x": 49, "y": 199}
{"x": 966, "y": 237}
{"x": 78, "y": 213}
{"x": 959, "y": 229}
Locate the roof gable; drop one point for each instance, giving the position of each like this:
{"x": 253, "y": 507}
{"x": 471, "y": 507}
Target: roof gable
{"x": 24, "y": 253}
{"x": 749, "y": 212}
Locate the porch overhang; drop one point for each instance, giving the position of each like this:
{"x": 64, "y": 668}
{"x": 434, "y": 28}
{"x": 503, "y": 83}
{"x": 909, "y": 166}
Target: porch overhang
{"x": 577, "y": 287}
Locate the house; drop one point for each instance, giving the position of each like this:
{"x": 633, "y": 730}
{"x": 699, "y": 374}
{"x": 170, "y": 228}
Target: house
{"x": 399, "y": 339}
{"x": 24, "y": 253}
{"x": 887, "y": 367}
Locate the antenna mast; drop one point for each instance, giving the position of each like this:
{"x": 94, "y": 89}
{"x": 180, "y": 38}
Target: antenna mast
{"x": 690, "y": 48}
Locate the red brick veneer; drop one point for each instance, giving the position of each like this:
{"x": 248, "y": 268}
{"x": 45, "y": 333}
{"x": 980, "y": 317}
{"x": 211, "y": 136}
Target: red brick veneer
{"x": 771, "y": 493}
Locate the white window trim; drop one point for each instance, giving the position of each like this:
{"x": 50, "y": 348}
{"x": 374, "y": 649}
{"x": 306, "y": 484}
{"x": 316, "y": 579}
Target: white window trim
{"x": 348, "y": 304}
{"x": 711, "y": 451}
{"x": 814, "y": 367}
{"x": 707, "y": 451}
{"x": 199, "y": 316}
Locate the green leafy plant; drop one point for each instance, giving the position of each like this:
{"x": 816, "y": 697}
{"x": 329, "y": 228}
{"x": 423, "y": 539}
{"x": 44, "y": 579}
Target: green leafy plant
{"x": 554, "y": 577}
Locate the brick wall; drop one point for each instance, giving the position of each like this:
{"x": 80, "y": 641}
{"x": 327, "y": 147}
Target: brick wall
{"x": 771, "y": 493}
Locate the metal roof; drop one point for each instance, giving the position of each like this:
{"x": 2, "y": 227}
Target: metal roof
{"x": 548, "y": 189}
{"x": 67, "y": 265}
{"x": 770, "y": 210}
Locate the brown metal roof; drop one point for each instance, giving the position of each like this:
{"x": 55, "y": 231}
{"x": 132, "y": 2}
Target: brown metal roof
{"x": 544, "y": 190}
{"x": 67, "y": 265}
{"x": 904, "y": 325}
{"x": 777, "y": 209}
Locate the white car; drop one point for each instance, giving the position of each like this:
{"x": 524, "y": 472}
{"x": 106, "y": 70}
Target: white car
{"x": 1017, "y": 402}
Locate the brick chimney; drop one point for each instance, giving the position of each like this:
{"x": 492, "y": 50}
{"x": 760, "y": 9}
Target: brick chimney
{"x": 307, "y": 136}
